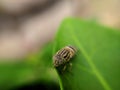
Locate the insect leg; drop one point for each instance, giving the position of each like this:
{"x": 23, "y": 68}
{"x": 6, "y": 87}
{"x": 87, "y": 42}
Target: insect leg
{"x": 64, "y": 67}
{"x": 70, "y": 66}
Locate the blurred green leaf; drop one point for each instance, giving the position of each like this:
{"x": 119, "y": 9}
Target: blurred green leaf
{"x": 36, "y": 67}
{"x": 96, "y": 65}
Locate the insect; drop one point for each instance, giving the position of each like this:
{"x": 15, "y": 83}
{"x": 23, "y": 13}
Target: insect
{"x": 63, "y": 56}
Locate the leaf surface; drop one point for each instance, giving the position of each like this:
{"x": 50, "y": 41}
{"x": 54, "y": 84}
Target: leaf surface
{"x": 96, "y": 65}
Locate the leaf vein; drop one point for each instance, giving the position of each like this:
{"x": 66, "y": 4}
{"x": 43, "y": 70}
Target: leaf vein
{"x": 92, "y": 65}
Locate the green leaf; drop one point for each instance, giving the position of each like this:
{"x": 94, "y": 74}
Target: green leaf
{"x": 36, "y": 67}
{"x": 96, "y": 65}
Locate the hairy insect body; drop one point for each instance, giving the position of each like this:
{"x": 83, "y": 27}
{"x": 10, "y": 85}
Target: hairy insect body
{"x": 63, "y": 55}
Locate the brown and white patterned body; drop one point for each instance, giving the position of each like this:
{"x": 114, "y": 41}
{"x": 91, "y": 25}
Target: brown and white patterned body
{"x": 63, "y": 55}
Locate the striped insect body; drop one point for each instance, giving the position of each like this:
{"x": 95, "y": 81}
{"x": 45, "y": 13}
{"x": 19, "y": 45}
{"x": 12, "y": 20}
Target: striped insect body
{"x": 63, "y": 56}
